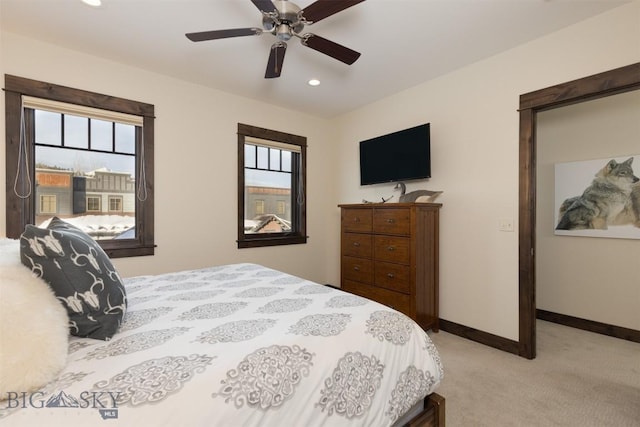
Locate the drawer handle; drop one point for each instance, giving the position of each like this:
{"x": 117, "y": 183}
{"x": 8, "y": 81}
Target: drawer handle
{"x": 356, "y": 268}
{"x": 391, "y": 220}
{"x": 356, "y": 244}
{"x": 391, "y": 275}
{"x": 391, "y": 248}
{"x": 356, "y": 219}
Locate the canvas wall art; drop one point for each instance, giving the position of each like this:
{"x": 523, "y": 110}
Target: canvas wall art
{"x": 598, "y": 198}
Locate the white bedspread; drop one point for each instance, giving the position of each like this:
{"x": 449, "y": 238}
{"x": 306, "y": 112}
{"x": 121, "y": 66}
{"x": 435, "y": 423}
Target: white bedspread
{"x": 239, "y": 345}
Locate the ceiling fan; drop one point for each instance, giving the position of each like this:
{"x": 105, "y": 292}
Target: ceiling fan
{"x": 284, "y": 20}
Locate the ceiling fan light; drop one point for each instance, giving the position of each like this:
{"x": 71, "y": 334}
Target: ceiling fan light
{"x": 314, "y": 82}
{"x": 268, "y": 23}
{"x": 283, "y": 33}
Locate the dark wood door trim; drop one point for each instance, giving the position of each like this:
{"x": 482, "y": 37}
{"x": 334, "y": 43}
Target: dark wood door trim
{"x": 608, "y": 83}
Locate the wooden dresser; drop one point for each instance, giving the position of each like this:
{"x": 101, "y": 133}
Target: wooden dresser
{"x": 389, "y": 253}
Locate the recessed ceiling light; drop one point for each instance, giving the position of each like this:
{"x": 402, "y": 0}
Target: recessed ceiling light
{"x": 94, "y": 3}
{"x": 313, "y": 82}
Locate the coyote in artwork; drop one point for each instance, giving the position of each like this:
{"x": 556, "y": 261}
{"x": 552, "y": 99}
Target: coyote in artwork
{"x": 613, "y": 198}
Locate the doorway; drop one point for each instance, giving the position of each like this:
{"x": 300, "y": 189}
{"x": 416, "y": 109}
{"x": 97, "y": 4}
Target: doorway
{"x": 609, "y": 83}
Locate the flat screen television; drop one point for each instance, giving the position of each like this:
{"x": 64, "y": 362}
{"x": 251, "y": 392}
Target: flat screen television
{"x": 398, "y": 156}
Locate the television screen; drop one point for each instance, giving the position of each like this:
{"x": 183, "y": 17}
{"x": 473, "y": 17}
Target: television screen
{"x": 398, "y": 156}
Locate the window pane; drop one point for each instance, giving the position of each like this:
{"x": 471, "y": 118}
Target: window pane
{"x": 94, "y": 191}
{"x": 286, "y": 161}
{"x": 125, "y": 138}
{"x": 267, "y": 202}
{"x": 263, "y": 158}
{"x": 274, "y": 159}
{"x": 83, "y": 161}
{"x": 250, "y": 156}
{"x": 101, "y": 135}
{"x": 48, "y": 128}
{"x": 76, "y": 131}
{"x": 261, "y": 178}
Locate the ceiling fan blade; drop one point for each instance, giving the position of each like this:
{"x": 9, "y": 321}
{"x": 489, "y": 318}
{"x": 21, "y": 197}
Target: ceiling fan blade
{"x": 324, "y": 8}
{"x": 330, "y": 48}
{"x": 223, "y": 34}
{"x": 276, "y": 58}
{"x": 264, "y": 5}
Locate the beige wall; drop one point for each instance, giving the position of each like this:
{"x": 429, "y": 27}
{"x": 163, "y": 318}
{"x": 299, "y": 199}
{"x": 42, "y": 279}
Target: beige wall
{"x": 591, "y": 278}
{"x": 195, "y": 160}
{"x": 475, "y": 158}
{"x": 474, "y": 137}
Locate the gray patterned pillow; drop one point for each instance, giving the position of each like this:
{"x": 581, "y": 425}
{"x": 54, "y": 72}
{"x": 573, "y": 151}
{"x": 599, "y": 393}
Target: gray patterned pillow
{"x": 81, "y": 275}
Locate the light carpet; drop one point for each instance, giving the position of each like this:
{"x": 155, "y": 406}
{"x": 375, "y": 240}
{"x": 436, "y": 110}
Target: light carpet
{"x": 578, "y": 379}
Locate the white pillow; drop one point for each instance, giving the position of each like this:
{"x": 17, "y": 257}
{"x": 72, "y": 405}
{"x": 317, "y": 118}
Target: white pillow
{"x": 34, "y": 327}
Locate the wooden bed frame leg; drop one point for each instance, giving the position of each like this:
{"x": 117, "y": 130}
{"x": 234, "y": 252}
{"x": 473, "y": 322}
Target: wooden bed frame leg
{"x": 438, "y": 404}
{"x": 433, "y": 414}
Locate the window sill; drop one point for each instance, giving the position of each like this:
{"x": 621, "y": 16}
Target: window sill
{"x": 123, "y": 250}
{"x": 271, "y": 241}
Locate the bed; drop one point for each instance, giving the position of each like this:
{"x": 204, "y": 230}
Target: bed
{"x": 242, "y": 345}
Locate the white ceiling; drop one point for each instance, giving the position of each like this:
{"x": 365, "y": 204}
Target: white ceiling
{"x": 403, "y": 42}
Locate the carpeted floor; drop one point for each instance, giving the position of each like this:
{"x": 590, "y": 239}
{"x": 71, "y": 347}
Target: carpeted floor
{"x": 578, "y": 379}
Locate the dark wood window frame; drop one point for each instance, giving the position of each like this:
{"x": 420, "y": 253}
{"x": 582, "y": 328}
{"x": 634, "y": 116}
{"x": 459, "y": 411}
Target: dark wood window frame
{"x": 619, "y": 80}
{"x": 299, "y": 212}
{"x": 21, "y": 211}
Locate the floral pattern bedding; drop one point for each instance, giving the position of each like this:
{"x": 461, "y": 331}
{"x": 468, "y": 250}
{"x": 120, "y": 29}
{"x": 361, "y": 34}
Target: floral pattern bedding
{"x": 239, "y": 345}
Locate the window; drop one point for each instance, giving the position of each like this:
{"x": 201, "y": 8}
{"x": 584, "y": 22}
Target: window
{"x": 93, "y": 204}
{"x": 77, "y": 149}
{"x": 271, "y": 187}
{"x": 115, "y": 204}
{"x": 92, "y": 152}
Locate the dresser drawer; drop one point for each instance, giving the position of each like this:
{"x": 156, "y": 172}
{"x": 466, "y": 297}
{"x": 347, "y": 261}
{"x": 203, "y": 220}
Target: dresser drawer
{"x": 392, "y": 249}
{"x": 395, "y": 277}
{"x": 359, "y": 245}
{"x": 392, "y": 221}
{"x": 395, "y": 300}
{"x": 359, "y": 269}
{"x": 357, "y": 220}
